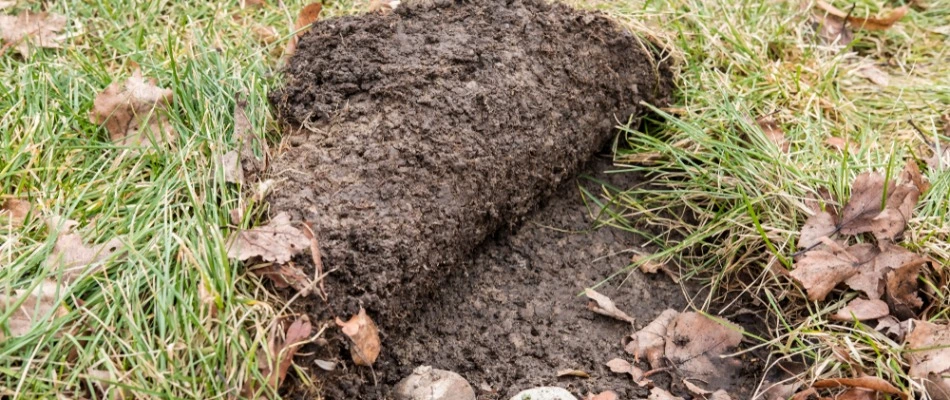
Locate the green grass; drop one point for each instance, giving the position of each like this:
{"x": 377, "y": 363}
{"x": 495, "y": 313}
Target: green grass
{"x": 173, "y": 318}
{"x": 725, "y": 205}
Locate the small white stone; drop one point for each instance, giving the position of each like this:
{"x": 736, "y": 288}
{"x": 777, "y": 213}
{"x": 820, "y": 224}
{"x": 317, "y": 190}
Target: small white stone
{"x": 427, "y": 383}
{"x": 545, "y": 393}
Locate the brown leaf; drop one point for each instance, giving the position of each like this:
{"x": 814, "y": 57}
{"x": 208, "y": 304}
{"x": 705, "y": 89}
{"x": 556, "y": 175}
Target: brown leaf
{"x": 572, "y": 372}
{"x": 842, "y": 144}
{"x": 858, "y": 394}
{"x": 874, "y": 74}
{"x": 861, "y": 310}
{"x": 265, "y": 34}
{"x": 819, "y": 271}
{"x": 15, "y": 211}
{"x": 38, "y": 307}
{"x": 864, "y": 382}
{"x": 604, "y": 306}
{"x": 135, "y": 112}
{"x": 912, "y": 174}
{"x": 891, "y": 326}
{"x": 928, "y": 354}
{"x": 607, "y": 395}
{"x": 647, "y": 266}
{"x": 805, "y": 394}
{"x": 231, "y": 162}
{"x": 873, "y": 265}
{"x": 278, "y": 241}
{"x": 621, "y": 366}
{"x": 650, "y": 341}
{"x": 29, "y": 30}
{"x": 284, "y": 275}
{"x": 308, "y": 15}
{"x": 778, "y": 391}
{"x": 902, "y": 289}
{"x": 867, "y": 193}
{"x": 898, "y": 210}
{"x": 660, "y": 394}
{"x": 283, "y": 353}
{"x": 773, "y": 132}
{"x": 695, "y": 389}
{"x": 867, "y": 23}
{"x": 695, "y": 342}
{"x": 74, "y": 258}
{"x": 819, "y": 225}
{"x": 832, "y": 30}
{"x": 383, "y": 6}
{"x": 365, "y": 336}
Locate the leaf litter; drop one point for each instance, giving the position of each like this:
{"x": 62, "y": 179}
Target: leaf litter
{"x": 364, "y": 335}
{"x": 135, "y": 112}
{"x": 603, "y": 305}
{"x": 278, "y": 241}
{"x": 28, "y": 30}
{"x": 928, "y": 353}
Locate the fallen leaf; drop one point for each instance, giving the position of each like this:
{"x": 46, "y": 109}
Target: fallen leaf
{"x": 864, "y": 382}
{"x": 805, "y": 394}
{"x": 773, "y": 132}
{"x": 857, "y": 394}
{"x": 38, "y": 307}
{"x": 891, "y": 326}
{"x": 832, "y": 30}
{"x": 650, "y": 340}
{"x": 695, "y": 389}
{"x": 308, "y": 15}
{"x": 928, "y": 354}
{"x": 265, "y": 34}
{"x": 572, "y": 372}
{"x": 695, "y": 342}
{"x": 861, "y": 310}
{"x": 135, "y": 112}
{"x": 28, "y": 30}
{"x": 646, "y": 266}
{"x": 819, "y": 271}
{"x": 73, "y": 258}
{"x": 778, "y": 391}
{"x": 898, "y": 210}
{"x": 15, "y": 211}
{"x": 867, "y": 194}
{"x": 284, "y": 275}
{"x": 606, "y": 395}
{"x": 621, "y": 366}
{"x": 384, "y": 6}
{"x": 604, "y": 306}
{"x": 867, "y": 23}
{"x": 901, "y": 293}
{"x": 660, "y": 394}
{"x": 873, "y": 265}
{"x": 325, "y": 365}
{"x": 842, "y": 144}
{"x": 365, "y": 336}
{"x": 284, "y": 352}
{"x": 819, "y": 225}
{"x": 720, "y": 395}
{"x": 912, "y": 174}
{"x": 278, "y": 241}
{"x": 231, "y": 162}
{"x": 874, "y": 74}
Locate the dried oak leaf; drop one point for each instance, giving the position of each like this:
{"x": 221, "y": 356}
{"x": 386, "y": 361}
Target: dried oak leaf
{"x": 28, "y": 30}
{"x": 621, "y": 366}
{"x": 135, "y": 112}
{"x": 861, "y": 310}
{"x": 278, "y": 241}
{"x": 695, "y": 342}
{"x": 15, "y": 211}
{"x": 365, "y": 336}
{"x": 38, "y": 306}
{"x": 928, "y": 354}
{"x": 73, "y": 257}
{"x": 308, "y": 15}
{"x": 773, "y": 132}
{"x": 819, "y": 271}
{"x": 864, "y": 382}
{"x": 604, "y": 306}
{"x": 867, "y": 23}
{"x": 650, "y": 340}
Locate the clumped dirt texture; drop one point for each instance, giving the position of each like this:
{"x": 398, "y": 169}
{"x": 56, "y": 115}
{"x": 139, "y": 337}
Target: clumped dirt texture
{"x": 415, "y": 136}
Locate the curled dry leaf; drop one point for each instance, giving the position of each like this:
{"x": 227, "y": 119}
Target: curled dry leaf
{"x": 283, "y": 351}
{"x": 29, "y": 30}
{"x": 928, "y": 354}
{"x": 325, "y": 365}
{"x": 695, "y": 342}
{"x": 572, "y": 372}
{"x": 278, "y": 241}
{"x": 650, "y": 340}
{"x": 365, "y": 336}
{"x": 38, "y": 307}
{"x": 621, "y": 366}
{"x": 868, "y": 23}
{"x": 645, "y": 265}
{"x": 864, "y": 382}
{"x": 912, "y": 174}
{"x": 231, "y": 163}
{"x": 819, "y": 271}
{"x": 308, "y": 15}
{"x": 842, "y": 144}
{"x": 604, "y": 306}
{"x": 773, "y": 132}
{"x": 864, "y": 213}
{"x": 135, "y": 112}
{"x": 891, "y": 326}
{"x": 901, "y": 293}
{"x": 284, "y": 275}
{"x": 861, "y": 310}
{"x": 15, "y": 211}
{"x": 73, "y": 257}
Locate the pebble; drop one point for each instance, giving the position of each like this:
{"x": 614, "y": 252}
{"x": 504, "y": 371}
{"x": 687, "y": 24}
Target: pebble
{"x": 427, "y": 383}
{"x": 545, "y": 393}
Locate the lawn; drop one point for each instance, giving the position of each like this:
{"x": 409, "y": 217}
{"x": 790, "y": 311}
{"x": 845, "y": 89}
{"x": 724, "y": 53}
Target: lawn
{"x": 171, "y": 317}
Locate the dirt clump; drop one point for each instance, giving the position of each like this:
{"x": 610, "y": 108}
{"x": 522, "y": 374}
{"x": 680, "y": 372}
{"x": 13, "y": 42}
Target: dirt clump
{"x": 416, "y": 135}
